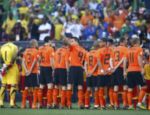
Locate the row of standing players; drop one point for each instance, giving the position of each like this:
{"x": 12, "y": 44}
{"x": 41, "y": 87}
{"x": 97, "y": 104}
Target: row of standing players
{"x": 106, "y": 66}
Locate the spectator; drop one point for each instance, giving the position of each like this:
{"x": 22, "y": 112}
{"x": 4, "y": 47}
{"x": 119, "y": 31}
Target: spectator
{"x": 44, "y": 28}
{"x": 86, "y": 18}
{"x": 9, "y": 24}
{"x": 58, "y": 29}
{"x": 24, "y": 9}
{"x": 19, "y": 31}
{"x": 89, "y": 32}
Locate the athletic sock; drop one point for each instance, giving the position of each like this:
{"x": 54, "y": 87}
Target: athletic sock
{"x": 40, "y": 96}
{"x": 2, "y": 92}
{"x": 24, "y": 98}
{"x": 55, "y": 96}
{"x": 49, "y": 97}
{"x": 129, "y": 98}
{"x": 141, "y": 95}
{"x": 149, "y": 102}
{"x": 96, "y": 98}
{"x": 12, "y": 96}
{"x": 69, "y": 96}
{"x": 87, "y": 99}
{"x": 101, "y": 97}
{"x": 35, "y": 98}
{"x": 63, "y": 98}
{"x": 111, "y": 96}
{"x": 115, "y": 97}
{"x": 124, "y": 98}
{"x": 80, "y": 97}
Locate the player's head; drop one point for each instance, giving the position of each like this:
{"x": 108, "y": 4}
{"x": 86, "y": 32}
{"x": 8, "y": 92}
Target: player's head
{"x": 102, "y": 43}
{"x": 109, "y": 42}
{"x": 33, "y": 43}
{"x": 96, "y": 45}
{"x": 135, "y": 41}
{"x": 123, "y": 41}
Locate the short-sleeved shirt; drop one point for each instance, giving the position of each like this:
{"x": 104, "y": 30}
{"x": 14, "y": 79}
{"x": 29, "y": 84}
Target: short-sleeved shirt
{"x": 46, "y": 53}
{"x": 104, "y": 56}
{"x": 119, "y": 53}
{"x": 147, "y": 71}
{"x": 8, "y": 51}
{"x": 92, "y": 60}
{"x": 77, "y": 55}
{"x": 132, "y": 57}
{"x": 29, "y": 56}
{"x": 61, "y": 57}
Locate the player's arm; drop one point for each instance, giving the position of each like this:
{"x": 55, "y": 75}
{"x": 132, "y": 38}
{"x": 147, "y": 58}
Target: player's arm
{"x": 125, "y": 67}
{"x": 140, "y": 61}
{"x": 100, "y": 65}
{"x": 120, "y": 62}
{"x": 95, "y": 67}
{"x": 24, "y": 65}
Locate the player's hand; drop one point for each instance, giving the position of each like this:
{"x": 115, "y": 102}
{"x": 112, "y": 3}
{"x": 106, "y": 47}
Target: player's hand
{"x": 142, "y": 71}
{"x": 89, "y": 74}
{"x": 125, "y": 74}
{"x": 28, "y": 73}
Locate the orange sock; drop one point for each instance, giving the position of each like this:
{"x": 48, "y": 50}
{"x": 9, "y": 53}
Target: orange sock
{"x": 55, "y": 96}
{"x": 40, "y": 96}
{"x": 96, "y": 98}
{"x": 63, "y": 98}
{"x": 101, "y": 97}
{"x": 35, "y": 97}
{"x": 115, "y": 97}
{"x": 69, "y": 95}
{"x": 149, "y": 102}
{"x": 24, "y": 98}
{"x": 80, "y": 97}
{"x": 124, "y": 98}
{"x": 129, "y": 97}
{"x": 87, "y": 98}
{"x": 49, "y": 97}
{"x": 111, "y": 96}
{"x": 141, "y": 95}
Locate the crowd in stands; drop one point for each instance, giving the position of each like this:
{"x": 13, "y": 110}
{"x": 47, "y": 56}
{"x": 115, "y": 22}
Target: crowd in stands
{"x": 84, "y": 19}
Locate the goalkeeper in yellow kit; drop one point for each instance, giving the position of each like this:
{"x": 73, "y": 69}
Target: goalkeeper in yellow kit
{"x": 9, "y": 71}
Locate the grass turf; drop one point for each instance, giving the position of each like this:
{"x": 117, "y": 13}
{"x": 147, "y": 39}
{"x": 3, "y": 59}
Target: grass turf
{"x": 74, "y": 111}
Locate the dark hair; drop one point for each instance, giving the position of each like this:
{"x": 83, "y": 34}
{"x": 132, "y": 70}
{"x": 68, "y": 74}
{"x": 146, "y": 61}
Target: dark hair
{"x": 46, "y": 39}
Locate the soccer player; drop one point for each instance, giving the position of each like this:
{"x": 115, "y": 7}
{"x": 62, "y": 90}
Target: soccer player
{"x": 10, "y": 71}
{"x": 60, "y": 74}
{"x": 118, "y": 78}
{"x": 135, "y": 72}
{"x": 46, "y": 53}
{"x": 76, "y": 59}
{"x": 30, "y": 65}
{"x": 105, "y": 78}
{"x": 91, "y": 69}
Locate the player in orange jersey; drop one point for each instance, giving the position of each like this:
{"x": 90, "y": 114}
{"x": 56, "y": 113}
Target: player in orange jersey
{"x": 118, "y": 78}
{"x": 135, "y": 72}
{"x": 76, "y": 59}
{"x": 105, "y": 78}
{"x": 46, "y": 53}
{"x": 30, "y": 65}
{"x": 91, "y": 69}
{"x": 60, "y": 74}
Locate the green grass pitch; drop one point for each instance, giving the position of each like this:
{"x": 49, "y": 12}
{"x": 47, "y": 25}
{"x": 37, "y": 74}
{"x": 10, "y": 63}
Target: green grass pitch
{"x": 74, "y": 111}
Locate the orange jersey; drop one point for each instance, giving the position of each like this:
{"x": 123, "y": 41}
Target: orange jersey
{"x": 119, "y": 53}
{"x": 104, "y": 56}
{"x": 92, "y": 60}
{"x": 46, "y": 53}
{"x": 29, "y": 56}
{"x": 132, "y": 57}
{"x": 77, "y": 55}
{"x": 61, "y": 57}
